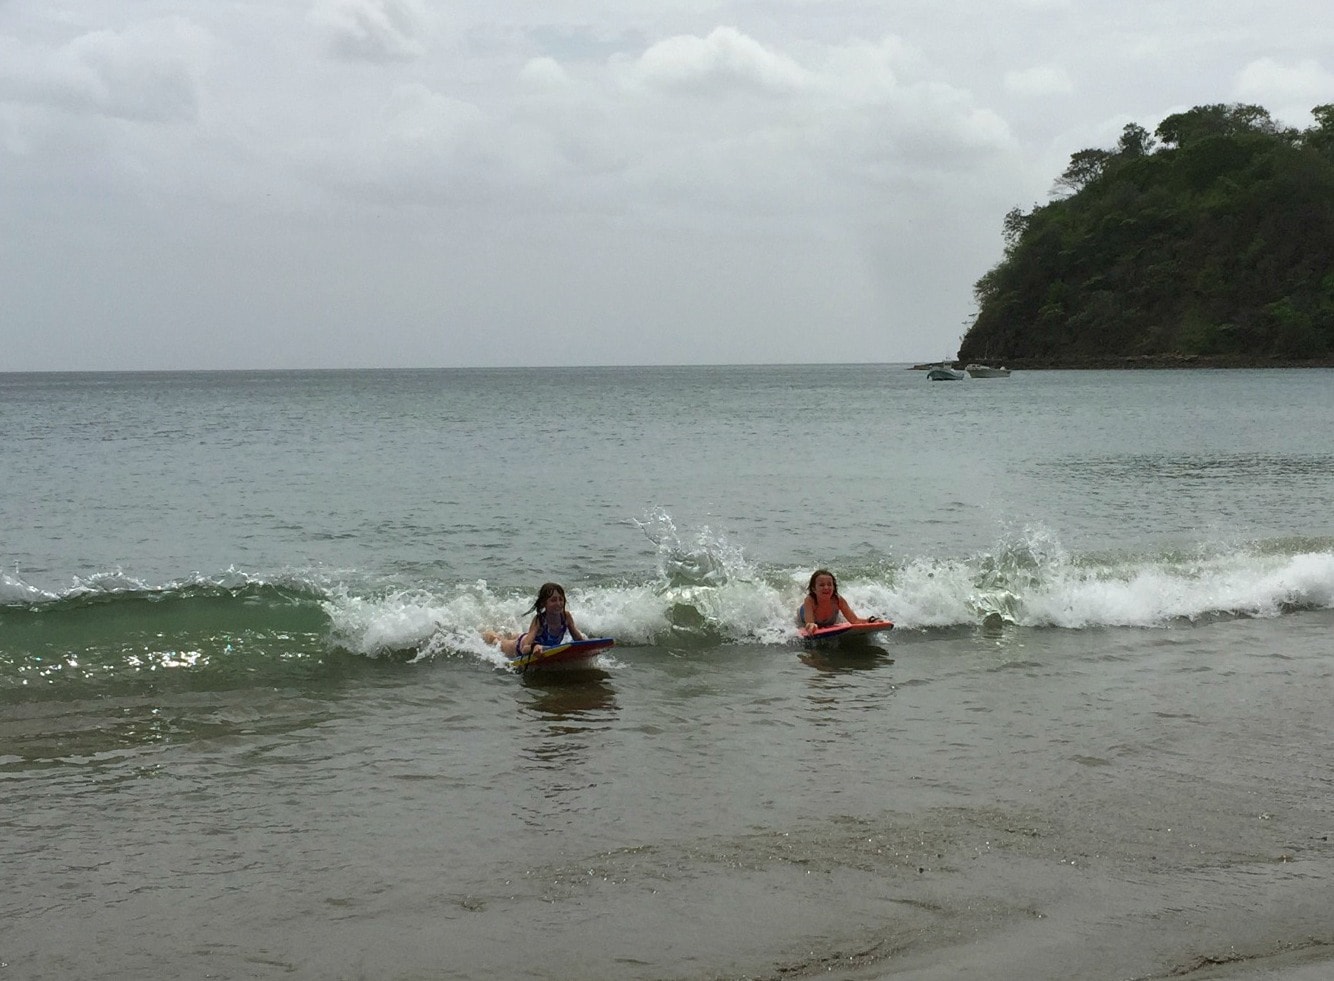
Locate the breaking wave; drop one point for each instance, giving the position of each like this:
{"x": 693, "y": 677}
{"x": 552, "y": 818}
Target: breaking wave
{"x": 704, "y": 593}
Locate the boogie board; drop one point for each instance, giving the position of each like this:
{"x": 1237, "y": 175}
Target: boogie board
{"x": 563, "y": 654}
{"x": 845, "y": 631}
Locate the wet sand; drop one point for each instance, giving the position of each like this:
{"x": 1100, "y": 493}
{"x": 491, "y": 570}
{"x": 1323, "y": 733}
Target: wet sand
{"x": 1194, "y": 843}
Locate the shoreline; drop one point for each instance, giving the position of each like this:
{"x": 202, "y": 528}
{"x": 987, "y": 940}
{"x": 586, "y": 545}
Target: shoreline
{"x": 1143, "y": 362}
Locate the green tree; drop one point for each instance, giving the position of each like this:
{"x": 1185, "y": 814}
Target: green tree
{"x": 1183, "y": 128}
{"x": 1321, "y": 135}
{"x": 1086, "y": 166}
{"x": 1135, "y": 141}
{"x": 1217, "y": 240}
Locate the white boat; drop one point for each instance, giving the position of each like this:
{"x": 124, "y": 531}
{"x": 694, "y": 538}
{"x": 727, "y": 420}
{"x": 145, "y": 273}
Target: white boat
{"x": 982, "y": 371}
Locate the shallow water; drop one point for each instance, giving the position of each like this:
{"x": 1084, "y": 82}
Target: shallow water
{"x": 247, "y": 728}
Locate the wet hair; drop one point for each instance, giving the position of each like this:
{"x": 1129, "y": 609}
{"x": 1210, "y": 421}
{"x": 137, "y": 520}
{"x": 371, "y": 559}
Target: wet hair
{"x": 810, "y": 587}
{"x": 544, "y": 594}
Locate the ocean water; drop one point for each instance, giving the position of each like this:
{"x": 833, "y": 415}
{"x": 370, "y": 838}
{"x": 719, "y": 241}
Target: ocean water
{"x": 248, "y": 727}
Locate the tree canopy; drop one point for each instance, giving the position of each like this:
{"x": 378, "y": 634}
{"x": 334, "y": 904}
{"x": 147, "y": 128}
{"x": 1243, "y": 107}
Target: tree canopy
{"x": 1212, "y": 237}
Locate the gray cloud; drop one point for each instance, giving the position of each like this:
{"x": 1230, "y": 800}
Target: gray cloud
{"x": 373, "y": 30}
{"x": 672, "y": 181}
{"x": 146, "y": 73}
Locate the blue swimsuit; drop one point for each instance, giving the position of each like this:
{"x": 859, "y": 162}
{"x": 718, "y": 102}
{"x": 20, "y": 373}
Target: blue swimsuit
{"x": 546, "y": 637}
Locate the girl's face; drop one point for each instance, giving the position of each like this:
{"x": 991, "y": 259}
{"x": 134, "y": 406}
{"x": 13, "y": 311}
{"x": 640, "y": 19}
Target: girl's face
{"x": 555, "y": 602}
{"x": 824, "y": 586}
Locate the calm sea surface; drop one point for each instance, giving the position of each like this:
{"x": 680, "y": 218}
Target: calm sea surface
{"x": 248, "y": 728}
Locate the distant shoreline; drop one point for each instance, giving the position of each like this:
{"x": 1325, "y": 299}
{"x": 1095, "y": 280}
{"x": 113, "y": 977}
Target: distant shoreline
{"x": 1148, "y": 361}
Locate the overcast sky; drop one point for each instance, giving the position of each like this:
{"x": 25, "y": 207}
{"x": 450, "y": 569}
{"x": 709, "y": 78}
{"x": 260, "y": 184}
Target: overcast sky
{"x": 365, "y": 183}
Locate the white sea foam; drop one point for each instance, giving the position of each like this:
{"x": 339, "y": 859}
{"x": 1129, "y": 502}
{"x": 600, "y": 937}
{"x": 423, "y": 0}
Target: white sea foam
{"x": 1029, "y": 582}
{"x": 1154, "y": 592}
{"x": 14, "y": 591}
{"x": 708, "y": 593}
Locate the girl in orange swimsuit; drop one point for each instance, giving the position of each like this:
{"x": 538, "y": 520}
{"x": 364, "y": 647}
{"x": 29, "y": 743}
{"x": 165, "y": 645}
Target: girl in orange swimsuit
{"x": 823, "y": 605}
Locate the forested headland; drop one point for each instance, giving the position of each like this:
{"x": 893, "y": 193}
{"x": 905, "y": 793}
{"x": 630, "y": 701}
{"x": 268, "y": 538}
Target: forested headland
{"x": 1209, "y": 242}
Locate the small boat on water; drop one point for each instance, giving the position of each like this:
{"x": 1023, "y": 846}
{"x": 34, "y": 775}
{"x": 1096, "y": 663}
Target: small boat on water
{"x": 943, "y": 373}
{"x": 983, "y": 371}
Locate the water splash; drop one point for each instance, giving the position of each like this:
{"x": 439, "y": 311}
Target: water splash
{"x": 709, "y": 560}
{"x": 703, "y": 593}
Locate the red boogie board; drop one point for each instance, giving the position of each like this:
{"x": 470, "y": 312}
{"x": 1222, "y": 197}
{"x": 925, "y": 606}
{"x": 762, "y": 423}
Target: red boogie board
{"x": 563, "y": 654}
{"x": 846, "y": 631}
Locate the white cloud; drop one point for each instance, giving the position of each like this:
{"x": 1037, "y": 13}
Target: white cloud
{"x": 870, "y": 72}
{"x": 726, "y": 60}
{"x": 419, "y": 117}
{"x": 1040, "y": 81}
{"x": 426, "y": 148}
{"x": 1288, "y": 91}
{"x": 853, "y": 107}
{"x": 373, "y": 30}
{"x": 565, "y": 161}
{"x": 146, "y": 73}
{"x": 678, "y": 130}
{"x": 424, "y": 144}
{"x": 544, "y": 73}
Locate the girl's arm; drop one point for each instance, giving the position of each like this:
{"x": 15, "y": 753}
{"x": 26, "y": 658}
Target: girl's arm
{"x": 526, "y": 647}
{"x": 574, "y": 631}
{"x": 847, "y": 611}
{"x": 808, "y": 612}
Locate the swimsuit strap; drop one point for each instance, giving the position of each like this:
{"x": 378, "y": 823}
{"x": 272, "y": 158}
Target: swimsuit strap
{"x": 544, "y": 635}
